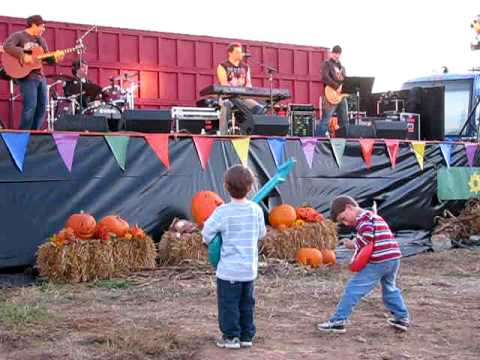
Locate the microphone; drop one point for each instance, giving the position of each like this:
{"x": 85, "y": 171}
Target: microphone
{"x": 247, "y": 55}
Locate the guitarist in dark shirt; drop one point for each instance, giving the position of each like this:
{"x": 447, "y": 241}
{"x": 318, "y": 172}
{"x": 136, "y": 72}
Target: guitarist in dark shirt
{"x": 33, "y": 87}
{"x": 333, "y": 75}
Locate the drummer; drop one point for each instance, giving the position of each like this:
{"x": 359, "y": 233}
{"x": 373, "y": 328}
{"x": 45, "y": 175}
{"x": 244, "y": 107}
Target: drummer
{"x": 72, "y": 87}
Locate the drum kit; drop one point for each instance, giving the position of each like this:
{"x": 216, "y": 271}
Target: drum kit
{"x": 110, "y": 101}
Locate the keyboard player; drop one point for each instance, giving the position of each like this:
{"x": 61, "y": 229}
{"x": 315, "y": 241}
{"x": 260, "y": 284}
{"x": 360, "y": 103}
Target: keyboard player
{"x": 234, "y": 72}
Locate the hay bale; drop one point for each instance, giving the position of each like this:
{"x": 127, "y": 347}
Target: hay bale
{"x": 285, "y": 244}
{"x": 122, "y": 255}
{"x": 89, "y": 260}
{"x": 143, "y": 253}
{"x": 100, "y": 264}
{"x": 175, "y": 248}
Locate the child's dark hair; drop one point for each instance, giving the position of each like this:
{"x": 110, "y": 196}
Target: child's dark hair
{"x": 339, "y": 204}
{"x": 238, "y": 181}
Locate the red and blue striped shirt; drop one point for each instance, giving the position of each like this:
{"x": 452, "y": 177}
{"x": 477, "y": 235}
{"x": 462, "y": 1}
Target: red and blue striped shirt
{"x": 372, "y": 227}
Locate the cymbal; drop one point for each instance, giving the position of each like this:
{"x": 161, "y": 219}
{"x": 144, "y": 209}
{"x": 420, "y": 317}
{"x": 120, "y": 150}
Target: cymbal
{"x": 62, "y": 77}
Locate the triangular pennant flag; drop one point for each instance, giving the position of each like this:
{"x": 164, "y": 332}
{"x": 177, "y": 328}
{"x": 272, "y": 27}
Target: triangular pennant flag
{"x": 276, "y": 147}
{"x": 17, "y": 146}
{"x": 447, "y": 152}
{"x": 118, "y": 145}
{"x": 392, "y": 149}
{"x": 419, "y": 150}
{"x": 308, "y": 145}
{"x": 471, "y": 150}
{"x": 66, "y": 144}
{"x": 159, "y": 145}
{"x": 367, "y": 149}
{"x": 242, "y": 147}
{"x": 338, "y": 147}
{"x": 204, "y": 147}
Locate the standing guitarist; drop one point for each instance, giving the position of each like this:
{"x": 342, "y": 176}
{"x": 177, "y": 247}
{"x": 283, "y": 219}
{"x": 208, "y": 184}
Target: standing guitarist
{"x": 333, "y": 75}
{"x": 33, "y": 87}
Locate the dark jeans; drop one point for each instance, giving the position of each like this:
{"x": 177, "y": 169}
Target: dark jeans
{"x": 328, "y": 109}
{"x": 34, "y": 94}
{"x": 236, "y": 309}
{"x": 246, "y": 108}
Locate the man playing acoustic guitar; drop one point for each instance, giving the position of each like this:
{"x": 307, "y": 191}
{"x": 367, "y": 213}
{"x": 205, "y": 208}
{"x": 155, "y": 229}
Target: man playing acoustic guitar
{"x": 33, "y": 87}
{"x": 333, "y": 76}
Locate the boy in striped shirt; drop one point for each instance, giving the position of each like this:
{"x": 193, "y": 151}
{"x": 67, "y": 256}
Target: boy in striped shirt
{"x": 242, "y": 225}
{"x": 382, "y": 267}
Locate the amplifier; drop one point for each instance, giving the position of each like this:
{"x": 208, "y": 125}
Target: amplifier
{"x": 196, "y": 120}
{"x": 300, "y": 107}
{"x": 301, "y": 118}
{"x": 413, "y": 125}
{"x": 302, "y": 123}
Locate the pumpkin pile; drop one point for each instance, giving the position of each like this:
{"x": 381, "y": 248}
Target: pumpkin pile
{"x": 86, "y": 250}
{"x": 286, "y": 216}
{"x": 308, "y": 214}
{"x": 315, "y": 258}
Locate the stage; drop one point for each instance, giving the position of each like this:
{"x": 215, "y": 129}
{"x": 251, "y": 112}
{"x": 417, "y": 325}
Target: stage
{"x": 162, "y": 172}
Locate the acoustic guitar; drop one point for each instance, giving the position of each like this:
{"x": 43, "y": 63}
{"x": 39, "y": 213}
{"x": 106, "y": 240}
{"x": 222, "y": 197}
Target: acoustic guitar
{"x": 333, "y": 96}
{"x": 16, "y": 69}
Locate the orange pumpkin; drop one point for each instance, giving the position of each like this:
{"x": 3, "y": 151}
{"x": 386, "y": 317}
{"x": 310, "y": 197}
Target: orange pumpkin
{"x": 204, "y": 204}
{"x": 65, "y": 236}
{"x": 282, "y": 215}
{"x": 309, "y": 256}
{"x": 83, "y": 225}
{"x": 329, "y": 257}
{"x": 113, "y": 224}
{"x": 137, "y": 232}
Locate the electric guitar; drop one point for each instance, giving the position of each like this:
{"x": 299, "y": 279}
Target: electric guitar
{"x": 17, "y": 69}
{"x": 333, "y": 96}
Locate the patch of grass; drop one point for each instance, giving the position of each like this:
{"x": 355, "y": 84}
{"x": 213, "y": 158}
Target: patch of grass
{"x": 145, "y": 344}
{"x": 112, "y": 284}
{"x": 22, "y": 314}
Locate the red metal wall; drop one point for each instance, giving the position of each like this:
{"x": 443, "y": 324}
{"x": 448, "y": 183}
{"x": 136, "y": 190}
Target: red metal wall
{"x": 172, "y": 68}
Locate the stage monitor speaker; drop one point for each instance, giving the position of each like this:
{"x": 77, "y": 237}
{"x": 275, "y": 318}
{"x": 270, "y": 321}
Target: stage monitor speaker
{"x": 385, "y": 129}
{"x": 148, "y": 121}
{"x": 356, "y": 132}
{"x": 265, "y": 125}
{"x": 81, "y": 123}
{"x": 430, "y": 104}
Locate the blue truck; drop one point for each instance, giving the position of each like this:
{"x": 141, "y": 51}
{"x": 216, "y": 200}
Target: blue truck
{"x": 462, "y": 94}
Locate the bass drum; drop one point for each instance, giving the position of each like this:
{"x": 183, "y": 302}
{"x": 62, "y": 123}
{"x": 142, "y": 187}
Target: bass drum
{"x": 112, "y": 113}
{"x": 65, "y": 106}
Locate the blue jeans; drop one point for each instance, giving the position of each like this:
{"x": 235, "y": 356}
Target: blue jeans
{"x": 34, "y": 94}
{"x": 236, "y": 309}
{"x": 328, "y": 109}
{"x": 364, "y": 282}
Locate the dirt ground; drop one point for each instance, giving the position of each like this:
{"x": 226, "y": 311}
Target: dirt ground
{"x": 170, "y": 313}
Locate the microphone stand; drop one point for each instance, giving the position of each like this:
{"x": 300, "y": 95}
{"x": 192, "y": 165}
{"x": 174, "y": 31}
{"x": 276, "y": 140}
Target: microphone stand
{"x": 11, "y": 99}
{"x": 80, "y": 52}
{"x": 270, "y": 71}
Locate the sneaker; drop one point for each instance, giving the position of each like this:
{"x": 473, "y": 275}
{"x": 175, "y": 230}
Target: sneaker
{"x": 246, "y": 343}
{"x": 332, "y": 326}
{"x": 400, "y": 324}
{"x": 228, "y": 343}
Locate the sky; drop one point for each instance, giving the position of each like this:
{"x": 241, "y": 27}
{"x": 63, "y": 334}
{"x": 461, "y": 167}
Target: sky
{"x": 392, "y": 41}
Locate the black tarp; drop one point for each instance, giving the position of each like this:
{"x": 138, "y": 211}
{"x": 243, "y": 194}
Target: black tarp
{"x": 36, "y": 203}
